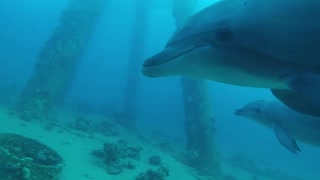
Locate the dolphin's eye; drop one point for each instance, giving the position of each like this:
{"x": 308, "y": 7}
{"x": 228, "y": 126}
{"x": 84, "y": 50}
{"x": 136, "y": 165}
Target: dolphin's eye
{"x": 257, "y": 110}
{"x": 224, "y": 34}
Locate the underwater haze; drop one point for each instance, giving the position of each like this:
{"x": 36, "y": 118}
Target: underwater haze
{"x": 105, "y": 83}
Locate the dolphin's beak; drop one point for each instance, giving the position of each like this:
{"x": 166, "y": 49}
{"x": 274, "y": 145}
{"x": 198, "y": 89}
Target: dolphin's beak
{"x": 238, "y": 112}
{"x": 164, "y": 63}
{"x": 152, "y": 67}
{"x": 160, "y": 58}
{"x": 157, "y": 65}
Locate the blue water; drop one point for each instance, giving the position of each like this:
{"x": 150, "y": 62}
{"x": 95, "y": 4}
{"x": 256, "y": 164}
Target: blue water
{"x": 101, "y": 78}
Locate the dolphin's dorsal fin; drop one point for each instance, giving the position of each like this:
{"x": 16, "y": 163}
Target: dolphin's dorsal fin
{"x": 286, "y": 140}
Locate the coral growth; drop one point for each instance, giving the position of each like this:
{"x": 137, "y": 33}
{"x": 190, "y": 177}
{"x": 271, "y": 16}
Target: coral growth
{"x": 117, "y": 156}
{"x": 106, "y": 128}
{"x": 80, "y": 124}
{"x": 87, "y": 125}
{"x": 27, "y": 159}
{"x": 160, "y": 174}
{"x": 155, "y": 160}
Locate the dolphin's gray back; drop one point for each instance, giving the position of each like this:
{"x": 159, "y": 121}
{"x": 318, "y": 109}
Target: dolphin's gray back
{"x": 288, "y": 30}
{"x": 302, "y": 127}
{"x": 208, "y": 20}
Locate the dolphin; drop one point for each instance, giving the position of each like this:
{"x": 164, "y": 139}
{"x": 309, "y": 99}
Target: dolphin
{"x": 287, "y": 124}
{"x": 250, "y": 43}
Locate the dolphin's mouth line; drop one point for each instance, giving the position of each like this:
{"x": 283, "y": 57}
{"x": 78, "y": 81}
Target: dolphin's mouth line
{"x": 238, "y": 112}
{"x": 169, "y": 53}
{"x": 163, "y": 57}
{"x": 221, "y": 33}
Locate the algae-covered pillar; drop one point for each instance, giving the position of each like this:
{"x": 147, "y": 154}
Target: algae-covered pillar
{"x": 137, "y": 53}
{"x": 59, "y": 58}
{"x": 199, "y": 124}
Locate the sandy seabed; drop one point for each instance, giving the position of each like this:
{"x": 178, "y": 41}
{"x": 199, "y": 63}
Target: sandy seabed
{"x": 75, "y": 148}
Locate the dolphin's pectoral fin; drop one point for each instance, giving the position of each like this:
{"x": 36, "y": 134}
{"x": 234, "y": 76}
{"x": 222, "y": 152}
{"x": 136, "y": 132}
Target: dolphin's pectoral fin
{"x": 306, "y": 84}
{"x": 286, "y": 140}
{"x": 296, "y": 101}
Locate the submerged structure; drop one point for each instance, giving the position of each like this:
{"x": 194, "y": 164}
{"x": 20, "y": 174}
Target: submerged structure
{"x": 136, "y": 54}
{"x": 199, "y": 123}
{"x": 59, "y": 58}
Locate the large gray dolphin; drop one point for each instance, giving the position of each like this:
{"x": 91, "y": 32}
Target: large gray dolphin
{"x": 256, "y": 43}
{"x": 288, "y": 125}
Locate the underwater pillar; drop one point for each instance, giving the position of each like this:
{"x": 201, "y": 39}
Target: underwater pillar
{"x": 199, "y": 127}
{"x": 59, "y": 58}
{"x": 137, "y": 53}
{"x": 199, "y": 122}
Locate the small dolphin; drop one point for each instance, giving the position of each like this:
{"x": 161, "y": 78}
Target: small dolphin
{"x": 252, "y": 43}
{"x": 288, "y": 125}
